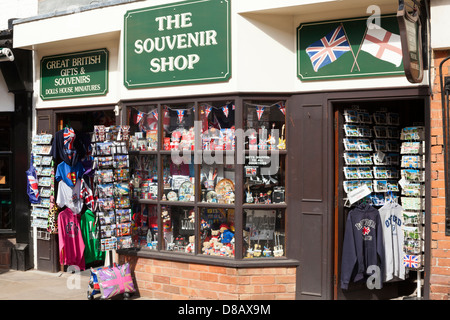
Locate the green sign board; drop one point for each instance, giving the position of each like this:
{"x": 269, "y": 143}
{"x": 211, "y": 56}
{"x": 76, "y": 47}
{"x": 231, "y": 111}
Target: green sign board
{"x": 350, "y": 48}
{"x": 180, "y": 43}
{"x": 74, "y": 75}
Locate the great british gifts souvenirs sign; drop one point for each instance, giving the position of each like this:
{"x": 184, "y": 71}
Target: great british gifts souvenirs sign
{"x": 349, "y": 48}
{"x": 74, "y": 75}
{"x": 181, "y": 43}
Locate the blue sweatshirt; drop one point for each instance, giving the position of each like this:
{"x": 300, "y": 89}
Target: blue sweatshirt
{"x": 363, "y": 244}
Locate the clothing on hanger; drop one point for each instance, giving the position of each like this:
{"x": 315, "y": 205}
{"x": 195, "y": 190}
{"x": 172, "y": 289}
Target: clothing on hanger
{"x": 90, "y": 232}
{"x": 363, "y": 244}
{"x": 391, "y": 215}
{"x": 70, "y": 196}
{"x": 69, "y": 174}
{"x": 71, "y": 244}
{"x": 67, "y": 146}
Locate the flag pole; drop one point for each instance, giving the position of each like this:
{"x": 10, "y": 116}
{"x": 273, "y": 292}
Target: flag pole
{"x": 360, "y": 46}
{"x": 351, "y": 49}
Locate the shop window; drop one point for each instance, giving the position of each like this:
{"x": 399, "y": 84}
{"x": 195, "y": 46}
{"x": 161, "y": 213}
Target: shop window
{"x": 178, "y": 179}
{"x": 178, "y": 125}
{"x": 5, "y": 210}
{"x": 143, "y": 122}
{"x": 217, "y": 232}
{"x": 265, "y": 158}
{"x": 144, "y": 178}
{"x": 145, "y": 232}
{"x": 264, "y": 233}
{"x": 178, "y": 229}
{"x": 5, "y": 132}
{"x": 185, "y": 174}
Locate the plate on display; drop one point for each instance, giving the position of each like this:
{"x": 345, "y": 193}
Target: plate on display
{"x": 186, "y": 191}
{"x": 172, "y": 196}
{"x": 224, "y": 186}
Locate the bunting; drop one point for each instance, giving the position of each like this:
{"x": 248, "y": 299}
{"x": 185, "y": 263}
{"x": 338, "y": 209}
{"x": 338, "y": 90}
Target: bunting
{"x": 260, "y": 111}
{"x": 139, "y": 116}
{"x": 281, "y": 107}
{"x": 180, "y": 113}
{"x": 208, "y": 111}
{"x": 225, "y": 110}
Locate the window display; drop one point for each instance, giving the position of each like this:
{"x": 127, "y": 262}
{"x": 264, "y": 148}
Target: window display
{"x": 173, "y": 180}
{"x": 264, "y": 169}
{"x": 217, "y": 232}
{"x": 178, "y": 229}
{"x": 264, "y": 233}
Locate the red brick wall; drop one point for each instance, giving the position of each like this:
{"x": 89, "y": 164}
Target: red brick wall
{"x": 440, "y": 244}
{"x": 169, "y": 280}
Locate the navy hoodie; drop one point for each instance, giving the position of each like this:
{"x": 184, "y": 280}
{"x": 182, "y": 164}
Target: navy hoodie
{"x": 363, "y": 244}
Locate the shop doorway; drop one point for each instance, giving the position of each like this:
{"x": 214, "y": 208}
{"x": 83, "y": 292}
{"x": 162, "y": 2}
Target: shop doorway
{"x": 85, "y": 121}
{"x": 50, "y": 121}
{"x": 368, "y": 150}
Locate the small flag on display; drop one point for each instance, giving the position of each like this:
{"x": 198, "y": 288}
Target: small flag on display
{"x": 180, "y": 115}
{"x": 34, "y": 185}
{"x": 155, "y": 114}
{"x": 233, "y": 107}
{"x": 208, "y": 111}
{"x": 225, "y": 111}
{"x": 259, "y": 111}
{"x": 411, "y": 261}
{"x": 281, "y": 107}
{"x": 139, "y": 116}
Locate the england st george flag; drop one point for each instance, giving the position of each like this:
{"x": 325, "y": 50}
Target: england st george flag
{"x": 383, "y": 45}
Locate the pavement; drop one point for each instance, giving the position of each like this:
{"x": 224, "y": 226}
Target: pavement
{"x": 39, "y": 285}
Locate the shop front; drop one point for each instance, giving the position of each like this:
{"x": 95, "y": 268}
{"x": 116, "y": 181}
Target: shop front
{"x": 215, "y": 174}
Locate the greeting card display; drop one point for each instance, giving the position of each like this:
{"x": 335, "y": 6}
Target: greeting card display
{"x": 413, "y": 195}
{"x": 112, "y": 186}
{"x": 42, "y": 161}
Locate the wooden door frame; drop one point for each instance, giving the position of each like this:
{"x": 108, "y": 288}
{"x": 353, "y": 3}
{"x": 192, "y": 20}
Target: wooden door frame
{"x": 416, "y": 93}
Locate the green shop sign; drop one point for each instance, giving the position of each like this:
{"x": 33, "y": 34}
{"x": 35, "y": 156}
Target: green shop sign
{"x": 350, "y": 48}
{"x": 181, "y": 43}
{"x": 74, "y": 75}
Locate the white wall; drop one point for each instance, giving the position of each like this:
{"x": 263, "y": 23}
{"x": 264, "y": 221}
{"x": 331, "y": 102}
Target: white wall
{"x": 440, "y": 24}
{"x": 6, "y": 98}
{"x": 263, "y": 48}
{"x": 16, "y": 9}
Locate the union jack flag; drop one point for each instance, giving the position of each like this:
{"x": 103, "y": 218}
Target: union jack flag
{"x": 115, "y": 280}
{"x": 155, "y": 114}
{"x": 208, "y": 110}
{"x": 69, "y": 138}
{"x": 328, "y": 49}
{"x": 282, "y": 107}
{"x": 139, "y": 116}
{"x": 225, "y": 110}
{"x": 411, "y": 261}
{"x": 34, "y": 185}
{"x": 260, "y": 111}
{"x": 180, "y": 115}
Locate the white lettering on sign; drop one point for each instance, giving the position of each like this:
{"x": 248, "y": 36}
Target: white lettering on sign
{"x": 171, "y": 63}
{"x": 177, "y": 41}
{"x": 177, "y": 21}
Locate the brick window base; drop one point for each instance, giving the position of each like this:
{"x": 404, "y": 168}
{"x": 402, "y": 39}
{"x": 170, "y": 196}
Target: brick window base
{"x": 169, "y": 280}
